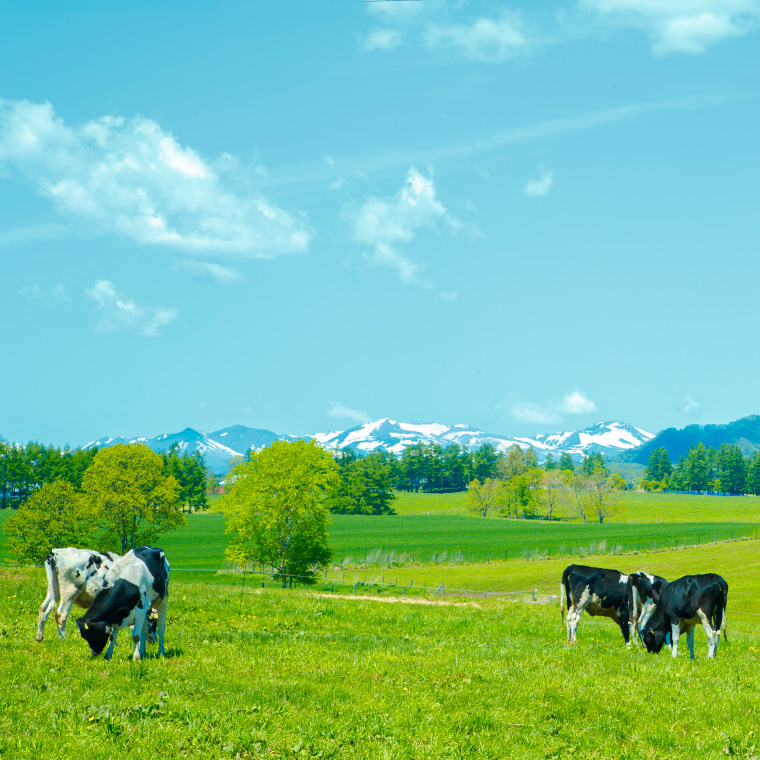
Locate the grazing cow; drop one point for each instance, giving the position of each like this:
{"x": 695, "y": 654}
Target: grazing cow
{"x": 599, "y": 592}
{"x": 136, "y": 583}
{"x": 74, "y": 576}
{"x": 684, "y": 603}
{"x": 643, "y": 594}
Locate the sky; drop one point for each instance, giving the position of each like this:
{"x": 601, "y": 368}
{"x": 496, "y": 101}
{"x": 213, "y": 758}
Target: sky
{"x": 303, "y": 216}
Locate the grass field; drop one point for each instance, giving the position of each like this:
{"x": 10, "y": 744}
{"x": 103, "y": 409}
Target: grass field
{"x": 295, "y": 674}
{"x": 639, "y": 507}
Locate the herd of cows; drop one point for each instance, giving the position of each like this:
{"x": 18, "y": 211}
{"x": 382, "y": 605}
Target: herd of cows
{"x": 117, "y": 592}
{"x": 133, "y": 591}
{"x": 647, "y": 605}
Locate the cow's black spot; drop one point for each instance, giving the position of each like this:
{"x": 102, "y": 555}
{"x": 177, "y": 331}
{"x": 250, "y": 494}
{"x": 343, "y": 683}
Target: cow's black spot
{"x": 155, "y": 561}
{"x": 96, "y": 560}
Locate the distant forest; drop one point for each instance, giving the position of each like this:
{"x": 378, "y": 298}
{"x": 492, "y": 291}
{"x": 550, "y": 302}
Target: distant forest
{"x": 25, "y": 469}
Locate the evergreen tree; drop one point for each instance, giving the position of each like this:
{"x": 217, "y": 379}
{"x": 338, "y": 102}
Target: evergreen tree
{"x": 731, "y": 469}
{"x": 550, "y": 463}
{"x": 658, "y": 467}
{"x": 753, "y": 474}
{"x": 566, "y": 463}
{"x": 484, "y": 462}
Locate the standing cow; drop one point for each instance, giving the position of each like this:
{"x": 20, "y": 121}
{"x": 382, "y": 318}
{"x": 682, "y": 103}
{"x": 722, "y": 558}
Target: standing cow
{"x": 74, "y": 576}
{"x": 643, "y": 594}
{"x": 597, "y": 591}
{"x": 136, "y": 583}
{"x": 683, "y": 604}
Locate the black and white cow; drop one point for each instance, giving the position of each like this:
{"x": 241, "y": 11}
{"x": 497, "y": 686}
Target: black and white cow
{"x": 643, "y": 594}
{"x": 683, "y": 604}
{"x": 597, "y": 591}
{"x": 74, "y": 576}
{"x": 136, "y": 583}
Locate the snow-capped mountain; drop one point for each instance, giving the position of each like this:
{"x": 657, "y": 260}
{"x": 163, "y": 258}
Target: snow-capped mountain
{"x": 609, "y": 438}
{"x": 219, "y": 447}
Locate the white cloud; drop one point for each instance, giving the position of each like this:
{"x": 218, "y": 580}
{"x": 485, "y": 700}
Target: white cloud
{"x": 534, "y": 413}
{"x": 577, "y": 403}
{"x": 209, "y": 270}
{"x": 47, "y": 296}
{"x": 382, "y": 39}
{"x": 120, "y": 313}
{"x": 386, "y": 224}
{"x": 450, "y": 296}
{"x": 343, "y": 412}
{"x": 132, "y": 178}
{"x": 690, "y": 406}
{"x": 484, "y": 39}
{"x": 681, "y": 26}
{"x": 536, "y": 188}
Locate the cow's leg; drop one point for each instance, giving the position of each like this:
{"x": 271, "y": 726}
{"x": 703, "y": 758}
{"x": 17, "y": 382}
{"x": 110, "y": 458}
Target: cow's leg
{"x": 624, "y": 624}
{"x": 46, "y": 608}
{"x": 675, "y": 632}
{"x": 69, "y": 594}
{"x": 161, "y": 623}
{"x": 138, "y": 634}
{"x": 109, "y": 651}
{"x": 712, "y": 639}
{"x": 646, "y": 612}
{"x": 690, "y": 640}
{"x": 575, "y": 619}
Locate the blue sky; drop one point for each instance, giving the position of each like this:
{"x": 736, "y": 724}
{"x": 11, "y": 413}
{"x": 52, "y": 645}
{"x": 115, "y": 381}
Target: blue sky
{"x": 302, "y": 216}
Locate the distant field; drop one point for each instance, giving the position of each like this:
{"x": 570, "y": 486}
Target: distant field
{"x": 639, "y": 507}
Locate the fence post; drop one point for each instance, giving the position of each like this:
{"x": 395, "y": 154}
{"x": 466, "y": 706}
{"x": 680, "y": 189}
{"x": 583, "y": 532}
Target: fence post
{"x": 505, "y": 554}
{"x": 655, "y": 545}
{"x": 325, "y": 575}
{"x": 489, "y": 558}
{"x": 403, "y": 590}
{"x": 527, "y": 553}
{"x": 354, "y": 586}
{"x": 382, "y": 582}
{"x": 715, "y": 538}
{"x": 443, "y": 590}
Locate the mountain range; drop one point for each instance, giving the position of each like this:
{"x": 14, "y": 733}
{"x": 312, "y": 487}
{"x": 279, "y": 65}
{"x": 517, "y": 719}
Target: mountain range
{"x": 217, "y": 448}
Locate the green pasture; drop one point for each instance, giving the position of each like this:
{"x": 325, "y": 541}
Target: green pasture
{"x": 307, "y": 674}
{"x": 639, "y": 507}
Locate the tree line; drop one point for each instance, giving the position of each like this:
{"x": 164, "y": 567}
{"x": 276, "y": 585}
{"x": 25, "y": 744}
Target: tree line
{"x": 25, "y": 469}
{"x": 724, "y": 471}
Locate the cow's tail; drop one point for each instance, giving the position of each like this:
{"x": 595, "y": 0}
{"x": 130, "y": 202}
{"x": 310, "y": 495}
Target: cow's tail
{"x": 52, "y": 578}
{"x": 562, "y": 599}
{"x": 722, "y": 612}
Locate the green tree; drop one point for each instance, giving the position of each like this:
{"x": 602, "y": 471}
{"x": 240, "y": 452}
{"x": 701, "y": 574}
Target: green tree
{"x": 550, "y": 463}
{"x": 753, "y": 474}
{"x": 511, "y": 464}
{"x": 274, "y": 508}
{"x": 54, "y": 516}
{"x": 658, "y": 467}
{"x": 128, "y": 493}
{"x": 731, "y": 469}
{"x": 484, "y": 462}
{"x": 364, "y": 486}
{"x": 596, "y": 495}
{"x": 566, "y": 463}
{"x": 593, "y": 464}
{"x": 697, "y": 469}
{"x": 486, "y": 497}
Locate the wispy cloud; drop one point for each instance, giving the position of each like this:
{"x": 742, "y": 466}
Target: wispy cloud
{"x": 209, "y": 270}
{"x": 121, "y": 313}
{"x": 690, "y": 406}
{"x": 49, "y": 297}
{"x": 132, "y": 178}
{"x": 673, "y": 26}
{"x": 536, "y": 188}
{"x": 534, "y": 413}
{"x": 552, "y": 412}
{"x": 681, "y": 26}
{"x": 387, "y": 224}
{"x": 339, "y": 411}
{"x": 577, "y": 403}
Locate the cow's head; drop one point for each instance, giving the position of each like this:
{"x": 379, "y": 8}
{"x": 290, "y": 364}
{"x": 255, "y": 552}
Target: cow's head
{"x": 151, "y": 620}
{"x": 654, "y": 638}
{"x": 95, "y": 634}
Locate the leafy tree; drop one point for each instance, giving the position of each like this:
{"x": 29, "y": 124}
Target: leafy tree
{"x": 132, "y": 499}
{"x": 364, "y": 486}
{"x": 512, "y": 463}
{"x": 753, "y": 474}
{"x": 522, "y": 493}
{"x": 697, "y": 468}
{"x": 593, "y": 464}
{"x": 550, "y": 463}
{"x": 486, "y": 497}
{"x": 484, "y": 462}
{"x": 554, "y": 492}
{"x": 658, "y": 467}
{"x": 731, "y": 469}
{"x": 54, "y": 516}
{"x": 275, "y": 511}
{"x": 596, "y": 495}
{"x": 566, "y": 463}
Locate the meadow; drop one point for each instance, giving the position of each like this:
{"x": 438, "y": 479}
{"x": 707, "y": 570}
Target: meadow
{"x": 385, "y": 669}
{"x": 309, "y": 674}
